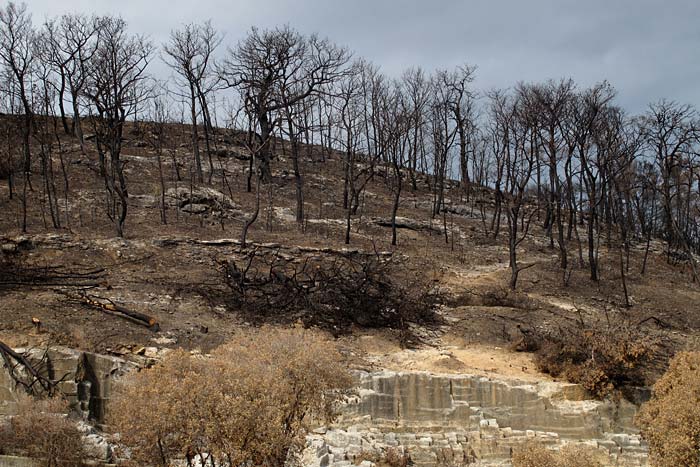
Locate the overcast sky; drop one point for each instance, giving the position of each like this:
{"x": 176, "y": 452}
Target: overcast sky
{"x": 647, "y": 49}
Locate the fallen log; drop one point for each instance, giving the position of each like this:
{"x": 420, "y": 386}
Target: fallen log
{"x": 109, "y": 306}
{"x": 406, "y": 223}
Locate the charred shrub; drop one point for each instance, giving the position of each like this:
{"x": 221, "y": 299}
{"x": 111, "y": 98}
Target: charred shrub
{"x": 331, "y": 289}
{"x": 9, "y": 166}
{"x": 601, "y": 357}
{"x": 394, "y": 457}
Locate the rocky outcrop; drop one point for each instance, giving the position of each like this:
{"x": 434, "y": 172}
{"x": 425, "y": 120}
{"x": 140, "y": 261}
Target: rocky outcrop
{"x": 461, "y": 419}
{"x": 435, "y": 419}
{"x": 202, "y": 200}
{"x": 86, "y": 379}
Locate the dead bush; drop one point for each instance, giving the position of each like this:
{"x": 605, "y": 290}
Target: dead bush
{"x": 581, "y": 456}
{"x": 249, "y": 403}
{"x": 42, "y": 430}
{"x": 536, "y": 455}
{"x": 332, "y": 290}
{"x": 394, "y": 457}
{"x": 600, "y": 357}
{"x": 670, "y": 421}
{"x": 391, "y": 457}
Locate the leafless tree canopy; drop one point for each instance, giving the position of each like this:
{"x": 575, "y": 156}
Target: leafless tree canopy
{"x": 554, "y": 155}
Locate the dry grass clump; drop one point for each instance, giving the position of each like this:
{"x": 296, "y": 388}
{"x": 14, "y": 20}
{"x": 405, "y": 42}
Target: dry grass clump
{"x": 42, "y": 430}
{"x": 601, "y": 357}
{"x": 250, "y": 403}
{"x": 670, "y": 421}
{"x": 536, "y": 455}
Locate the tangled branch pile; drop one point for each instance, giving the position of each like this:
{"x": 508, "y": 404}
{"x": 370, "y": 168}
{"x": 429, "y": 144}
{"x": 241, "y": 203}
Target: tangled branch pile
{"x": 332, "y": 290}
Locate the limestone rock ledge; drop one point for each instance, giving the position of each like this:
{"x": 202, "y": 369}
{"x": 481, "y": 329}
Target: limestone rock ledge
{"x": 86, "y": 379}
{"x": 469, "y": 420}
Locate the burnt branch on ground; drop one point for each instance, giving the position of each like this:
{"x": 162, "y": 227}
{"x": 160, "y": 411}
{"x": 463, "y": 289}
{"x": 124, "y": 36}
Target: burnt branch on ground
{"x": 17, "y": 272}
{"x": 110, "y": 307}
{"x": 331, "y": 290}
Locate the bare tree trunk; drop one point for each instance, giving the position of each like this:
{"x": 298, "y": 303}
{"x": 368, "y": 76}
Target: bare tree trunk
{"x": 254, "y": 216}
{"x": 195, "y": 135}
{"x": 397, "y": 198}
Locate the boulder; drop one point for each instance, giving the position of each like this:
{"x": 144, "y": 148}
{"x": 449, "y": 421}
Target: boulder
{"x": 202, "y": 200}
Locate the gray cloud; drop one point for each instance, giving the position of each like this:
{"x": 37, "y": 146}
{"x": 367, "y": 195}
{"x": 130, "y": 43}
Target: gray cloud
{"x": 647, "y": 49}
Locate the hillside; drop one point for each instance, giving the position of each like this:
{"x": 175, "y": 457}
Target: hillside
{"x": 174, "y": 271}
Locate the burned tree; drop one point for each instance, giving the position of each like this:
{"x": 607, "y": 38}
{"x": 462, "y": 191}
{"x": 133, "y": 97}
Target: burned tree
{"x": 395, "y": 122}
{"x": 582, "y": 128}
{"x": 357, "y": 100}
{"x": 269, "y": 61}
{"x": 462, "y": 107}
{"x": 671, "y": 132}
{"x": 117, "y": 84}
{"x": 71, "y": 42}
{"x": 551, "y": 100}
{"x": 513, "y": 126}
{"x": 443, "y": 133}
{"x": 417, "y": 88}
{"x": 189, "y": 54}
{"x": 17, "y": 37}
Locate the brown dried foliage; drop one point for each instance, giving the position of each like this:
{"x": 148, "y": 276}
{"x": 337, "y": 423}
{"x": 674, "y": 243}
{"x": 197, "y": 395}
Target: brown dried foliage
{"x": 536, "y": 455}
{"x": 42, "y": 430}
{"x": 602, "y": 357}
{"x": 670, "y": 421}
{"x": 251, "y": 402}
{"x": 394, "y": 457}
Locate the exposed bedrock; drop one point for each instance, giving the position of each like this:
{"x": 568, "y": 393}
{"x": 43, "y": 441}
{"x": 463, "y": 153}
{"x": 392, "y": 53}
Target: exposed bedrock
{"x": 85, "y": 379}
{"x": 461, "y": 419}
